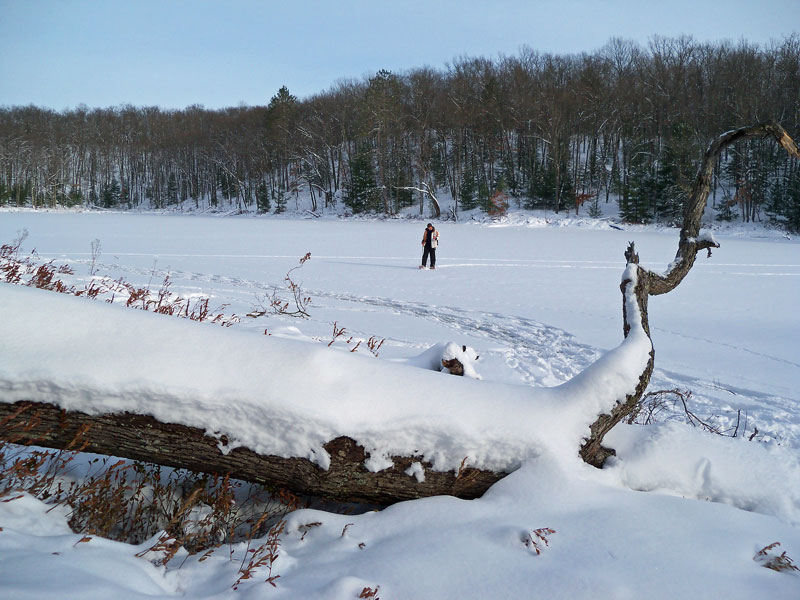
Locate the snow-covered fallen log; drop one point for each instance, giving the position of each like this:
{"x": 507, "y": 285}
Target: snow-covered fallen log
{"x": 153, "y": 384}
{"x": 141, "y": 437}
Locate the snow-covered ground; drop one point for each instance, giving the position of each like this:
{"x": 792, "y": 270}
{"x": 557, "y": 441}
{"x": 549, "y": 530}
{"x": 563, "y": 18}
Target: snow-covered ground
{"x": 539, "y": 301}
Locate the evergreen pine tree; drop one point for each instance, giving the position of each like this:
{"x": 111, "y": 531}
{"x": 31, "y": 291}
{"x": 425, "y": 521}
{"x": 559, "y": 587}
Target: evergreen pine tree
{"x": 727, "y": 211}
{"x": 401, "y": 196}
{"x": 484, "y": 196}
{"x": 437, "y": 167}
{"x": 509, "y": 179}
{"x": 172, "y": 189}
{"x": 110, "y": 194}
{"x": 262, "y": 198}
{"x": 594, "y": 207}
{"x": 280, "y": 201}
{"x": 567, "y": 194}
{"x": 674, "y": 173}
{"x": 733, "y": 173}
{"x": 361, "y": 193}
{"x": 546, "y": 185}
{"x": 74, "y": 197}
{"x": 534, "y": 187}
{"x": 467, "y": 193}
{"x": 791, "y": 205}
{"x": 783, "y": 201}
{"x": 634, "y": 203}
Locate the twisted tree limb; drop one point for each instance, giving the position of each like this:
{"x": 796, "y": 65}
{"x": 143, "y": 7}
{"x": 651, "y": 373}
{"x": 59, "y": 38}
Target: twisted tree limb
{"x": 647, "y": 283}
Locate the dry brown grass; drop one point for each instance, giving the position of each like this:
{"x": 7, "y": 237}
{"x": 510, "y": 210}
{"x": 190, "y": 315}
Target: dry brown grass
{"x": 134, "y": 502}
{"x": 32, "y": 272}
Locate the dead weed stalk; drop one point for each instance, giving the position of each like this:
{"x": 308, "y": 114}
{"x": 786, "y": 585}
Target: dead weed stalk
{"x": 777, "y": 562}
{"x": 29, "y": 271}
{"x": 274, "y": 304}
{"x": 536, "y": 537}
{"x": 132, "y": 501}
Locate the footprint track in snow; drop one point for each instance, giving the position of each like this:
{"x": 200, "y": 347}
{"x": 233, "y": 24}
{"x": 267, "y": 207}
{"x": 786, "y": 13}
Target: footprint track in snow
{"x": 541, "y": 354}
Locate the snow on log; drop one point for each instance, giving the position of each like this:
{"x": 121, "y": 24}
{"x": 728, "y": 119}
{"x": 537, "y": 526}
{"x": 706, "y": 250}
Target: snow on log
{"x": 157, "y": 382}
{"x": 141, "y": 437}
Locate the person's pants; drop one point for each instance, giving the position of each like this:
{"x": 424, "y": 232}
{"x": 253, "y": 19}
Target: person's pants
{"x": 425, "y": 253}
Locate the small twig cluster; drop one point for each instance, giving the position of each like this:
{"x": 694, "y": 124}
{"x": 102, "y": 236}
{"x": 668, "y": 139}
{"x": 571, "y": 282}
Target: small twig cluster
{"x": 667, "y": 405}
{"x": 373, "y": 343}
{"x": 304, "y": 529}
{"x": 95, "y": 256}
{"x": 536, "y": 537}
{"x": 264, "y": 555}
{"x": 274, "y": 304}
{"x": 462, "y": 468}
{"x": 777, "y": 562}
{"x": 337, "y": 333}
{"x": 28, "y": 271}
{"x": 164, "y": 302}
{"x": 661, "y": 405}
{"x": 465, "y": 474}
{"x": 370, "y": 594}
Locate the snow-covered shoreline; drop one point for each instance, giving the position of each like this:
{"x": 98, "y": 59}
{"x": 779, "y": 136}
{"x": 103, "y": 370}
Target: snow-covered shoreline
{"x": 513, "y": 218}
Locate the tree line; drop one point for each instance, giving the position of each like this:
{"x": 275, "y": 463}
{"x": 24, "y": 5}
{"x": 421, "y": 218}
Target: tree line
{"x": 627, "y": 124}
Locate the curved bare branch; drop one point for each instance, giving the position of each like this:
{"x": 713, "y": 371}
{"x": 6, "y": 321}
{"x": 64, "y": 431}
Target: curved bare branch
{"x": 689, "y": 244}
{"x": 644, "y": 283}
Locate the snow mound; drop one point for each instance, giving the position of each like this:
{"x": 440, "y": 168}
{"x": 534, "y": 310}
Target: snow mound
{"x": 678, "y": 459}
{"x": 432, "y": 358}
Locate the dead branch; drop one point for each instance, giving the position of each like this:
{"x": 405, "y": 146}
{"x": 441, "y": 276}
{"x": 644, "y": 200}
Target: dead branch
{"x": 437, "y": 211}
{"x": 274, "y": 304}
{"x": 648, "y": 283}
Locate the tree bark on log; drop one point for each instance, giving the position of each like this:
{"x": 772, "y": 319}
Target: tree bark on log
{"x": 143, "y": 438}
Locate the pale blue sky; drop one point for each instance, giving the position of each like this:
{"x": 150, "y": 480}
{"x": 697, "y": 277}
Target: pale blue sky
{"x": 173, "y": 53}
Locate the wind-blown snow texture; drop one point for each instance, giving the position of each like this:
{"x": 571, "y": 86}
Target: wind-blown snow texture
{"x": 711, "y": 502}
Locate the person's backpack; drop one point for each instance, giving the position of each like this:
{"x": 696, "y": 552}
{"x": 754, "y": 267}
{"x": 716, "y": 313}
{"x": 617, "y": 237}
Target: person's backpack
{"x": 435, "y": 240}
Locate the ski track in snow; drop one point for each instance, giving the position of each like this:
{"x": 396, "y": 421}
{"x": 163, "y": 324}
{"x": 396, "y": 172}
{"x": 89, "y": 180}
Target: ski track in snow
{"x": 728, "y": 345}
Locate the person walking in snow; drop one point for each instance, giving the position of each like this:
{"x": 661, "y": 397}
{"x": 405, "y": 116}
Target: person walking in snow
{"x": 430, "y": 240}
